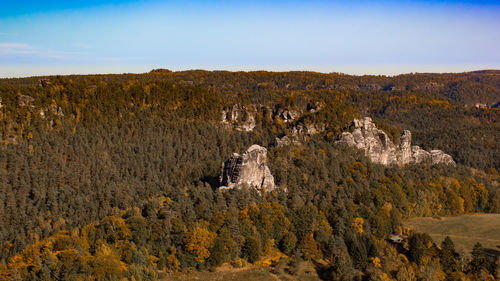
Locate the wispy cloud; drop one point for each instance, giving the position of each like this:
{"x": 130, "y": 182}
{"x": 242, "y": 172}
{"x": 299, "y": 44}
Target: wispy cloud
{"x": 21, "y": 51}
{"x": 9, "y": 48}
{"x": 9, "y": 45}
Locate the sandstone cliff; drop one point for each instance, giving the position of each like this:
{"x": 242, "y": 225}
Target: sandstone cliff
{"x": 242, "y": 118}
{"x": 249, "y": 169}
{"x": 378, "y": 146}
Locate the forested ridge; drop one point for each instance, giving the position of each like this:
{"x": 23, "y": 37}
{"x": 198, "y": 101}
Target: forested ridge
{"x": 105, "y": 177}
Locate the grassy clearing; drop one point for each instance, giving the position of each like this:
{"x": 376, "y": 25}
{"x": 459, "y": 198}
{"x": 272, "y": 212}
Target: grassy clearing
{"x": 303, "y": 271}
{"x": 465, "y": 230}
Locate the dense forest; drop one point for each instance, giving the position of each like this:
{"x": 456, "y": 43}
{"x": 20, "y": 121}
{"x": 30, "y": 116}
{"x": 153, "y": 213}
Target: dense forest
{"x": 105, "y": 177}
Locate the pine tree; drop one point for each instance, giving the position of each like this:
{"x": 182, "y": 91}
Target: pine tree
{"x": 449, "y": 258}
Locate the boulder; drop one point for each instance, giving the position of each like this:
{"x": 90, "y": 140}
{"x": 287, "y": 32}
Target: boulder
{"x": 249, "y": 169}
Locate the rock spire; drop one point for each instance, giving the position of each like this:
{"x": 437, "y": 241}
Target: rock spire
{"x": 249, "y": 169}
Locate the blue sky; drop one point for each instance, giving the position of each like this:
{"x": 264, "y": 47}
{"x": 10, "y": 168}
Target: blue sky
{"x": 357, "y": 37}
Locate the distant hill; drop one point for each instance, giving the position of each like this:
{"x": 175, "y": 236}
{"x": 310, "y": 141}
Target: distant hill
{"x": 489, "y": 71}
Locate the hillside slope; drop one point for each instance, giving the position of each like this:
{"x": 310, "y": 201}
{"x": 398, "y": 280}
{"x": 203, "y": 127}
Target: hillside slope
{"x": 111, "y": 176}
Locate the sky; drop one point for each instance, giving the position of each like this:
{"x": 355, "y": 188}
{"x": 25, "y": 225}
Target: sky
{"x": 356, "y": 37}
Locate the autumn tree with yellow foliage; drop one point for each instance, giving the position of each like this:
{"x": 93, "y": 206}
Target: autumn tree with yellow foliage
{"x": 199, "y": 241}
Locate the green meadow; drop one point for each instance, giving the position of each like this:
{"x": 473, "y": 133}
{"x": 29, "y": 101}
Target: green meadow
{"x": 465, "y": 230}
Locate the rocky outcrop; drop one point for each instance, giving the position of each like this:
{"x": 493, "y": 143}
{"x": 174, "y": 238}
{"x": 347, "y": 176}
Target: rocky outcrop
{"x": 249, "y": 169}
{"x": 301, "y": 130}
{"x": 285, "y": 140}
{"x": 315, "y": 107}
{"x": 287, "y": 115}
{"x": 25, "y": 100}
{"x": 378, "y": 146}
{"x": 404, "y": 153}
{"x": 44, "y": 83}
{"x": 299, "y": 133}
{"x": 438, "y": 156}
{"x": 419, "y": 155}
{"x": 373, "y": 141}
{"x": 242, "y": 118}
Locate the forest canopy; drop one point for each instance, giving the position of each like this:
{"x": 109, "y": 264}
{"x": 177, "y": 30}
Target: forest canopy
{"x": 117, "y": 176}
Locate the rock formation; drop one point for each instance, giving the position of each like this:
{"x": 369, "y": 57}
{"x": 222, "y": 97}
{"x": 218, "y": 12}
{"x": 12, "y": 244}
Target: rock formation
{"x": 244, "y": 118}
{"x": 249, "y": 169}
{"x": 301, "y": 130}
{"x": 373, "y": 141}
{"x": 287, "y": 115}
{"x": 404, "y": 153}
{"x": 438, "y": 156}
{"x": 285, "y": 140}
{"x": 25, "y": 100}
{"x": 299, "y": 133}
{"x": 314, "y": 107}
{"x": 241, "y": 117}
{"x": 380, "y": 149}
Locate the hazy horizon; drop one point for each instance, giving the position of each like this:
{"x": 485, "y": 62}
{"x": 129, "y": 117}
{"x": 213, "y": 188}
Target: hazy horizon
{"x": 118, "y": 72}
